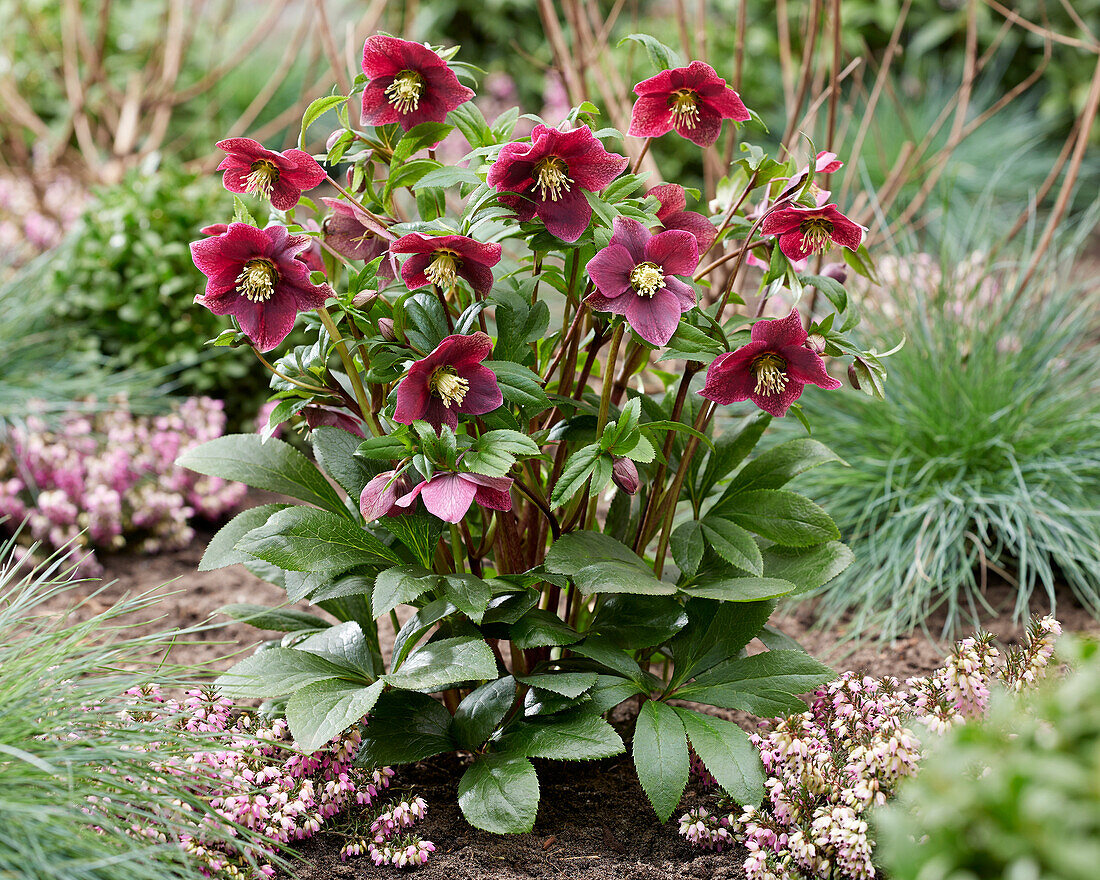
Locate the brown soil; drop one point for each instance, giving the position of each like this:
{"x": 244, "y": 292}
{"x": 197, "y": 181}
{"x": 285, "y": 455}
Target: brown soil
{"x": 594, "y": 820}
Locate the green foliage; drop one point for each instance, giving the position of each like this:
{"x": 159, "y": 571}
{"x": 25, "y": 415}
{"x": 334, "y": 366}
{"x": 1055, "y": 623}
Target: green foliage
{"x": 1012, "y": 796}
{"x": 125, "y": 278}
{"x": 984, "y": 457}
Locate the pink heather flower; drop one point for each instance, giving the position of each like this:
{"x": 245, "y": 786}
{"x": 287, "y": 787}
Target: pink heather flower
{"x": 380, "y": 495}
{"x": 804, "y": 231}
{"x": 673, "y": 214}
{"x": 280, "y": 177}
{"x": 546, "y": 176}
{"x": 448, "y": 495}
{"x": 443, "y": 259}
{"x": 634, "y": 277}
{"x": 253, "y": 275}
{"x": 409, "y": 84}
{"x": 693, "y": 100}
{"x": 771, "y": 370}
{"x": 449, "y": 381}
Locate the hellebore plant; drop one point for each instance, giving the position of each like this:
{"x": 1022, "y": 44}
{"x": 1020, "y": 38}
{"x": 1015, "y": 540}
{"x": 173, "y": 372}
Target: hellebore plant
{"x": 541, "y": 504}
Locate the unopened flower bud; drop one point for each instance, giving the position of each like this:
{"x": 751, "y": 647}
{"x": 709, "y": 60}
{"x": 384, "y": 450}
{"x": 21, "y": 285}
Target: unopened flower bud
{"x": 836, "y": 271}
{"x": 815, "y": 342}
{"x": 332, "y": 139}
{"x": 385, "y": 328}
{"x": 853, "y": 376}
{"x": 625, "y": 474}
{"x": 364, "y": 299}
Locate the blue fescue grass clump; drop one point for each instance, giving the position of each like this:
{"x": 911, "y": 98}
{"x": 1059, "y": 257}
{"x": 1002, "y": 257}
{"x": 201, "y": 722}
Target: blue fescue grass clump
{"x": 984, "y": 459}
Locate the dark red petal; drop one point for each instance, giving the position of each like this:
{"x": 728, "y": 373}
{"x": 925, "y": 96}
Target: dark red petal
{"x": 675, "y": 251}
{"x": 610, "y": 269}
{"x": 385, "y": 56}
{"x": 485, "y": 253}
{"x": 651, "y": 116}
{"x": 479, "y": 276}
{"x": 284, "y": 194}
{"x": 846, "y": 233}
{"x": 484, "y": 394}
{"x": 778, "y": 333}
{"x": 727, "y": 104}
{"x": 443, "y": 89}
{"x": 600, "y": 303}
{"x": 523, "y": 205}
{"x": 566, "y": 218}
{"x": 236, "y": 179}
{"x": 512, "y": 171}
{"x": 794, "y": 247}
{"x": 493, "y": 499}
{"x": 306, "y": 173}
{"x": 416, "y": 243}
{"x": 377, "y": 109}
{"x": 654, "y": 318}
{"x": 661, "y": 84}
{"x": 782, "y": 220}
{"x": 672, "y": 197}
{"x": 269, "y": 323}
{"x": 466, "y": 351}
{"x": 412, "y": 395}
{"x": 632, "y": 235}
{"x": 778, "y": 404}
{"x": 729, "y": 377}
{"x": 707, "y": 127}
{"x": 246, "y": 148}
{"x": 696, "y": 224}
{"x": 807, "y": 367}
{"x": 597, "y": 168}
{"x": 683, "y": 293}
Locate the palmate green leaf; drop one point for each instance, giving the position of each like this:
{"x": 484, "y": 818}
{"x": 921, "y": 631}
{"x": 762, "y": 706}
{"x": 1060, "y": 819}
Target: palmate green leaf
{"x": 539, "y": 628}
{"x": 482, "y": 710}
{"x": 661, "y": 756}
{"x": 494, "y": 452}
{"x": 687, "y": 546}
{"x": 442, "y": 664}
{"x": 274, "y": 672}
{"x": 500, "y": 794}
{"x": 315, "y": 111}
{"x": 807, "y": 567}
{"x": 335, "y": 450}
{"x": 578, "y": 468}
{"x": 221, "y": 551}
{"x": 740, "y": 589}
{"x": 520, "y": 386}
{"x": 277, "y": 619}
{"x": 318, "y": 712}
{"x": 389, "y": 447}
{"x": 609, "y": 691}
{"x": 568, "y": 684}
{"x": 733, "y": 543}
{"x": 405, "y": 726}
{"x": 519, "y": 323}
{"x": 345, "y": 645}
{"x": 785, "y": 517}
{"x": 607, "y": 654}
{"x": 578, "y": 550}
{"x": 715, "y": 632}
{"x": 274, "y": 466}
{"x": 662, "y": 56}
{"x": 691, "y": 344}
{"x": 780, "y": 464}
{"x": 416, "y": 626}
{"x": 725, "y": 750}
{"x": 447, "y": 177}
{"x": 766, "y": 684}
{"x": 620, "y": 577}
{"x": 577, "y": 737}
{"x": 470, "y": 594}
{"x": 639, "y": 621}
{"x": 419, "y": 533}
{"x": 311, "y": 540}
{"x": 401, "y": 585}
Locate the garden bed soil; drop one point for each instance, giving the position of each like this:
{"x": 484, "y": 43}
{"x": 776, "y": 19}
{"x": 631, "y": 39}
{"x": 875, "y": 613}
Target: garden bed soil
{"x": 594, "y": 820}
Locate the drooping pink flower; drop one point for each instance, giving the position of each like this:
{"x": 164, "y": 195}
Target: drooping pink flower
{"x": 442, "y": 259}
{"x": 804, "y": 231}
{"x": 546, "y": 177}
{"x": 673, "y": 214}
{"x": 409, "y": 84}
{"x": 352, "y": 232}
{"x": 771, "y": 370}
{"x": 449, "y": 381}
{"x": 380, "y": 495}
{"x": 279, "y": 177}
{"x": 449, "y": 495}
{"x": 321, "y": 416}
{"x": 634, "y": 277}
{"x": 692, "y": 100}
{"x": 253, "y": 275}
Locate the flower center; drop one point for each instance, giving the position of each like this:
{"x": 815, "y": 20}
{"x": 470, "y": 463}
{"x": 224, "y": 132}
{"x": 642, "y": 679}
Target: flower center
{"x": 770, "y": 372}
{"x": 647, "y": 278}
{"x": 262, "y": 178}
{"x": 405, "y": 91}
{"x": 257, "y": 280}
{"x": 816, "y": 233}
{"x": 685, "y": 108}
{"x": 551, "y": 178}
{"x": 443, "y": 269}
{"x": 449, "y": 386}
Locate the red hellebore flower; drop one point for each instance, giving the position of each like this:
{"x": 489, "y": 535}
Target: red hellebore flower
{"x": 771, "y": 370}
{"x": 280, "y": 177}
{"x": 546, "y": 176}
{"x": 353, "y": 233}
{"x": 449, "y": 381}
{"x": 321, "y": 416}
{"x": 254, "y": 275}
{"x": 805, "y": 231}
{"x": 449, "y": 495}
{"x": 409, "y": 84}
{"x": 633, "y": 277}
{"x": 443, "y": 259}
{"x": 693, "y": 100}
{"x": 673, "y": 214}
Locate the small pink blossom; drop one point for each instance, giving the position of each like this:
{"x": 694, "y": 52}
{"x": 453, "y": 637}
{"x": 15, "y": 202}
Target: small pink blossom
{"x": 449, "y": 495}
{"x": 281, "y": 177}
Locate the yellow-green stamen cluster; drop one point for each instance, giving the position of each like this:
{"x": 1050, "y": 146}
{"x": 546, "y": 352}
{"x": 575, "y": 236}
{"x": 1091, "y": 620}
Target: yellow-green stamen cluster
{"x": 257, "y": 280}
{"x": 443, "y": 269}
{"x": 405, "y": 91}
{"x": 816, "y": 234}
{"x": 262, "y": 178}
{"x": 647, "y": 278}
{"x": 551, "y": 178}
{"x": 685, "y": 108}
{"x": 448, "y": 386}
{"x": 770, "y": 371}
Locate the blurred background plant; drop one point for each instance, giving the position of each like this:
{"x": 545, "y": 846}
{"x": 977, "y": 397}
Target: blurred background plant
{"x": 1015, "y": 795}
{"x": 983, "y": 461}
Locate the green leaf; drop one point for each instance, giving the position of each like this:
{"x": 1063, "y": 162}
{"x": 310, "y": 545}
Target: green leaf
{"x": 277, "y": 619}
{"x": 482, "y": 710}
{"x": 389, "y": 447}
{"x": 785, "y": 517}
{"x": 470, "y": 594}
{"x": 579, "y": 737}
{"x": 733, "y": 544}
{"x": 810, "y": 567}
{"x": 221, "y": 551}
{"x": 500, "y": 794}
{"x": 715, "y": 632}
{"x": 687, "y": 546}
{"x": 614, "y": 658}
{"x": 834, "y": 291}
{"x": 568, "y": 684}
{"x": 725, "y": 750}
{"x": 578, "y": 468}
{"x": 442, "y": 664}
{"x": 274, "y": 466}
{"x": 469, "y": 120}
{"x": 740, "y": 589}
{"x": 312, "y": 540}
{"x": 520, "y": 386}
{"x": 609, "y": 691}
{"x": 415, "y": 627}
{"x": 274, "y": 672}
{"x": 662, "y": 57}
{"x": 519, "y": 322}
{"x": 419, "y": 533}
{"x": 315, "y": 111}
{"x": 346, "y": 646}
{"x": 447, "y": 177}
{"x": 780, "y": 464}
{"x": 661, "y": 756}
{"x": 335, "y": 450}
{"x": 731, "y": 449}
{"x": 321, "y": 711}
{"x": 401, "y": 585}
{"x": 689, "y": 343}
{"x": 577, "y": 550}
{"x": 620, "y": 577}
{"x": 539, "y": 628}
{"x": 766, "y": 684}
{"x": 404, "y": 727}
{"x": 639, "y": 621}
